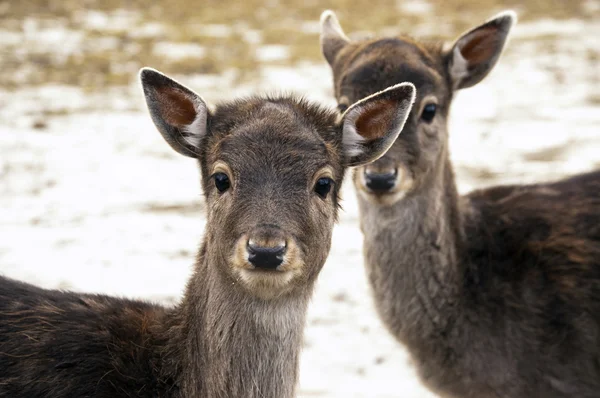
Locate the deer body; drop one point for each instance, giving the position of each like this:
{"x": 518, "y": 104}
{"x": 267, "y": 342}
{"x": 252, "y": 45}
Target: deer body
{"x": 495, "y": 293}
{"x": 100, "y": 346}
{"x": 271, "y": 171}
{"x": 491, "y": 294}
{"x": 58, "y": 344}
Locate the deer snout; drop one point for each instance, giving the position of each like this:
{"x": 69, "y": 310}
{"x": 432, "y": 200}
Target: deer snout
{"x": 380, "y": 181}
{"x": 266, "y": 248}
{"x": 264, "y": 256}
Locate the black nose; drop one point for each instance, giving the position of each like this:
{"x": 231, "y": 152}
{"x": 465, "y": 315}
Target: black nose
{"x": 380, "y": 182}
{"x": 266, "y": 257}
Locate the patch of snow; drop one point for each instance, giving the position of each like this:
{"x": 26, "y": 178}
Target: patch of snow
{"x": 179, "y": 50}
{"x": 215, "y": 30}
{"x": 115, "y": 21}
{"x": 9, "y": 38}
{"x": 272, "y": 52}
{"x": 148, "y": 30}
{"x": 553, "y": 27}
{"x": 414, "y": 7}
{"x": 252, "y": 36}
{"x": 96, "y": 201}
{"x": 311, "y": 27}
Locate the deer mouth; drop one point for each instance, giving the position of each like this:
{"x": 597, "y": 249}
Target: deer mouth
{"x": 268, "y": 283}
{"x": 252, "y": 268}
{"x": 275, "y": 268}
{"x": 266, "y": 269}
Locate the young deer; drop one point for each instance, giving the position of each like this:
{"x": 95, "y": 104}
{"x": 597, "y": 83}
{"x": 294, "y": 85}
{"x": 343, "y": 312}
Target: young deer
{"x": 496, "y": 293}
{"x": 271, "y": 173}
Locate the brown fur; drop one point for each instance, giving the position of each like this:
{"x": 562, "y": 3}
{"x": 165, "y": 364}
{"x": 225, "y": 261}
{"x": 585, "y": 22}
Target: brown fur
{"x": 495, "y": 293}
{"x": 238, "y": 330}
{"x": 374, "y": 123}
{"x": 178, "y": 109}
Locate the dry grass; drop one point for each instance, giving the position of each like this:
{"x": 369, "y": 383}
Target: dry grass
{"x": 285, "y": 22}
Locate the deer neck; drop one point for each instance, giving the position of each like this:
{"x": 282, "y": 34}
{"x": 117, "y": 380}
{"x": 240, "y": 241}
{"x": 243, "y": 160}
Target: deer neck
{"x": 411, "y": 255}
{"x": 233, "y": 344}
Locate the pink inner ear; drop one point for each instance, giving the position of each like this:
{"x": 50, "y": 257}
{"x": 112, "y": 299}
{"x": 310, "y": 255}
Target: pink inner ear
{"x": 481, "y": 46}
{"x": 376, "y": 120}
{"x": 175, "y": 107}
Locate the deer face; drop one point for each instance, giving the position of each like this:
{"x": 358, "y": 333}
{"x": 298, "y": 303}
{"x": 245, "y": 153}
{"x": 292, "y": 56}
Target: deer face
{"x": 361, "y": 68}
{"x": 272, "y": 169}
{"x": 272, "y": 185}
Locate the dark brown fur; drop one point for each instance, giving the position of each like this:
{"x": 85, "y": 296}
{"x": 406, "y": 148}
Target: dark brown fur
{"x": 58, "y": 344}
{"x": 238, "y": 330}
{"x": 496, "y": 293}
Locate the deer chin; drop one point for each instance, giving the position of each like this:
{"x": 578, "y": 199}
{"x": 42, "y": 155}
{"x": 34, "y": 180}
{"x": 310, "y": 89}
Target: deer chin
{"x": 267, "y": 283}
{"x": 403, "y": 186}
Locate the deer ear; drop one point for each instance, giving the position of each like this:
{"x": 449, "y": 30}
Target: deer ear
{"x": 475, "y": 53}
{"x": 333, "y": 38}
{"x": 371, "y": 125}
{"x": 179, "y": 114}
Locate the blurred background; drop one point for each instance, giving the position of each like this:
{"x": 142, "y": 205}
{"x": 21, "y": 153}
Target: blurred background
{"x": 92, "y": 199}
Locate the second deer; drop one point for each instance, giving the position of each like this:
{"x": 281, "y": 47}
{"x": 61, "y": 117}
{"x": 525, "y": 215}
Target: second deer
{"x": 495, "y": 293}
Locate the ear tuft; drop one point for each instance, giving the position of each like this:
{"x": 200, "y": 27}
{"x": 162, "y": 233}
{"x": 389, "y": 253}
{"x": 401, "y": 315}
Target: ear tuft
{"x": 475, "y": 53}
{"x": 333, "y": 38}
{"x": 372, "y": 125}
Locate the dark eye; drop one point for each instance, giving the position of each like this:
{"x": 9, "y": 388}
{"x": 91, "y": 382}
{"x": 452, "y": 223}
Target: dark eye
{"x": 342, "y": 107}
{"x": 221, "y": 182}
{"x": 429, "y": 112}
{"x": 323, "y": 186}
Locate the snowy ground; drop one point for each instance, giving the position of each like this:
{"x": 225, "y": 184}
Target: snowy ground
{"x": 92, "y": 199}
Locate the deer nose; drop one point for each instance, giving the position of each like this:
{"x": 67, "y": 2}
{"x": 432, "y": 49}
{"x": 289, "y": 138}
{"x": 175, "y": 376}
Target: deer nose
{"x": 380, "y": 182}
{"x": 266, "y": 257}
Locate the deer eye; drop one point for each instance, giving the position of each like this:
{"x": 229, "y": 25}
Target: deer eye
{"x": 222, "y": 182}
{"x": 429, "y": 112}
{"x": 323, "y": 186}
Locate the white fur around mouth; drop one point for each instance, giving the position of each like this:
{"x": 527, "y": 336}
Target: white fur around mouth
{"x": 253, "y": 275}
{"x": 266, "y": 283}
{"x": 388, "y": 198}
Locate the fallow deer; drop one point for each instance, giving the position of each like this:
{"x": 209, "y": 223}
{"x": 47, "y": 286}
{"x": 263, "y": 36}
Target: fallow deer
{"x": 495, "y": 293}
{"x": 271, "y": 172}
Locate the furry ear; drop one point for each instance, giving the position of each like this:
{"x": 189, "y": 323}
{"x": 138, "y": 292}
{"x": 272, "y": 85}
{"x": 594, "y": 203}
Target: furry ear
{"x": 333, "y": 38}
{"x": 475, "y": 53}
{"x": 371, "y": 125}
{"x": 179, "y": 114}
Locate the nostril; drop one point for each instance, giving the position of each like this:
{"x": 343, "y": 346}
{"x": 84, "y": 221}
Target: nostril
{"x": 268, "y": 257}
{"x": 380, "y": 182}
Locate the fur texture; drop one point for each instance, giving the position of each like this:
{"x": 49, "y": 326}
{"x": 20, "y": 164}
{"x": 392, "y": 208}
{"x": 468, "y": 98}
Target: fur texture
{"x": 496, "y": 293}
{"x": 238, "y": 330}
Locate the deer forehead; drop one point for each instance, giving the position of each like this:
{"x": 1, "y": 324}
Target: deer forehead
{"x": 275, "y": 134}
{"x": 271, "y": 150}
{"x": 384, "y": 62}
{"x": 405, "y": 48}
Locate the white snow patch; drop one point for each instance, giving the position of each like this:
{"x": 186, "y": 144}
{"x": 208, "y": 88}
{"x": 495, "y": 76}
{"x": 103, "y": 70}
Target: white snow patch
{"x": 115, "y": 21}
{"x": 414, "y": 7}
{"x": 272, "y": 52}
{"x": 179, "y": 50}
{"x": 98, "y": 202}
{"x": 215, "y": 30}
